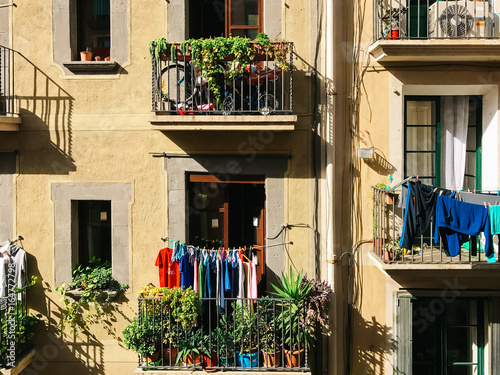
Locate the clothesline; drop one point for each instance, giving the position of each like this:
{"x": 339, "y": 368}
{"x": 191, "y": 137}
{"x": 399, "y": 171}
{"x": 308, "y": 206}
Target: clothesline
{"x": 219, "y": 272}
{"x": 456, "y": 214}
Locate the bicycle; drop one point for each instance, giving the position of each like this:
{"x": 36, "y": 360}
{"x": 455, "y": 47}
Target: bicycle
{"x": 183, "y": 89}
{"x": 263, "y": 87}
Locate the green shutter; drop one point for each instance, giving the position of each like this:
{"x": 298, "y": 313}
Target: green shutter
{"x": 494, "y": 319}
{"x": 403, "y": 344}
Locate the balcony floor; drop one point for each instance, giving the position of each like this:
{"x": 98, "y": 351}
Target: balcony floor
{"x": 436, "y": 50}
{"x": 9, "y": 123}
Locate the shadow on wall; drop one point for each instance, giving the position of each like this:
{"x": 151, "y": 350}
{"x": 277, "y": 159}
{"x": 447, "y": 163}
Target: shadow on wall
{"x": 45, "y": 147}
{"x": 380, "y": 164}
{"x": 63, "y": 353}
{"x": 373, "y": 346}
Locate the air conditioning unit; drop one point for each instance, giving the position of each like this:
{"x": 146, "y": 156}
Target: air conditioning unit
{"x": 460, "y": 19}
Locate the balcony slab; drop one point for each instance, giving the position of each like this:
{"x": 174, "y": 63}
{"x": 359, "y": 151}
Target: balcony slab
{"x": 20, "y": 365}
{"x": 10, "y": 123}
{"x": 221, "y": 122}
{"x": 436, "y": 50}
{"x": 198, "y": 372}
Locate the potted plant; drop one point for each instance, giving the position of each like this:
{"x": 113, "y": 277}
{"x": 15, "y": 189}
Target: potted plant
{"x": 192, "y": 347}
{"x": 304, "y": 309}
{"x": 86, "y": 55}
{"x": 245, "y": 335}
{"x": 392, "y": 251}
{"x": 223, "y": 337}
{"x": 269, "y": 335}
{"x": 91, "y": 288}
{"x": 143, "y": 338}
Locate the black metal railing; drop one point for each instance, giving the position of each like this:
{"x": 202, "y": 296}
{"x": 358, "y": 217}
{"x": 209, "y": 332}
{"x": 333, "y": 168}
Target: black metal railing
{"x": 230, "y": 334}
{"x": 6, "y": 81}
{"x": 432, "y": 19}
{"x": 15, "y": 326}
{"x": 263, "y": 87}
{"x": 387, "y": 228}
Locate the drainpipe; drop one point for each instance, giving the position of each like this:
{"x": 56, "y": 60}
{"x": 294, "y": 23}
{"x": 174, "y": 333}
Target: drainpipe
{"x": 330, "y": 107}
{"x": 329, "y": 130}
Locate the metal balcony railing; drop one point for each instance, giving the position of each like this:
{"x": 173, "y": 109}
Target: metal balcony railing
{"x": 229, "y": 334}
{"x": 434, "y": 19}
{"x": 15, "y": 326}
{"x": 263, "y": 87}
{"x": 387, "y": 226}
{"x": 6, "y": 81}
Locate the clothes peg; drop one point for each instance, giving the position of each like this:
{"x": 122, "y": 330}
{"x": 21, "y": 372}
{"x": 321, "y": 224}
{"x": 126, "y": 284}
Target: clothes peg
{"x": 474, "y": 191}
{"x": 417, "y": 178}
{"x": 485, "y": 205}
{"x": 440, "y": 193}
{"x": 435, "y": 189}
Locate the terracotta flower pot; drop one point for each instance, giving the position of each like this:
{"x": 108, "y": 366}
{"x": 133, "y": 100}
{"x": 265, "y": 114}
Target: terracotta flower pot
{"x": 295, "y": 358}
{"x": 210, "y": 361}
{"x": 86, "y": 56}
{"x": 192, "y": 359}
{"x": 272, "y": 359}
{"x": 170, "y": 356}
{"x": 151, "y": 358}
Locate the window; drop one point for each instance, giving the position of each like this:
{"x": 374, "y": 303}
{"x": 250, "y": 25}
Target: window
{"x": 442, "y": 334}
{"x": 443, "y": 140}
{"x": 208, "y": 18}
{"x": 93, "y": 27}
{"x": 92, "y": 230}
{"x": 91, "y": 219}
{"x": 227, "y": 213}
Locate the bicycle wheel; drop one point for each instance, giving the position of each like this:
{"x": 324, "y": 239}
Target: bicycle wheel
{"x": 267, "y": 104}
{"x": 174, "y": 84}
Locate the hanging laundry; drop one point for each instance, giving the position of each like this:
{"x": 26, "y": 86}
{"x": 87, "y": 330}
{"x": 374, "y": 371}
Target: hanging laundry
{"x": 478, "y": 198}
{"x": 456, "y": 219}
{"x": 253, "y": 281}
{"x": 17, "y": 256}
{"x": 187, "y": 272}
{"x": 168, "y": 270}
{"x": 420, "y": 208}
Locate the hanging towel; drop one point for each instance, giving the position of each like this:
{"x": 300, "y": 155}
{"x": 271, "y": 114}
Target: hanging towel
{"x": 253, "y": 282}
{"x": 455, "y": 219}
{"x": 494, "y": 219}
{"x": 478, "y": 198}
{"x": 420, "y": 208}
{"x": 195, "y": 281}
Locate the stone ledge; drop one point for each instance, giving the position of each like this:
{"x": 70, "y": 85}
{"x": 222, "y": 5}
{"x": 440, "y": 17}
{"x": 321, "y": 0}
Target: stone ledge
{"x": 200, "y": 372}
{"x": 10, "y": 123}
{"x": 221, "y": 122}
{"x": 20, "y": 365}
{"x": 436, "y": 50}
{"x": 91, "y": 67}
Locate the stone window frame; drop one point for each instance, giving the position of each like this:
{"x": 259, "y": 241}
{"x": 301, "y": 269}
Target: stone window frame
{"x": 64, "y": 40}
{"x": 274, "y": 168}
{"x": 65, "y": 256}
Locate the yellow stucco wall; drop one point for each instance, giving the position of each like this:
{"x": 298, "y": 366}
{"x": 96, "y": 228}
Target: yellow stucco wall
{"x": 96, "y": 129}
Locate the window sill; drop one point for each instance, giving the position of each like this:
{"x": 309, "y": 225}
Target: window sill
{"x": 104, "y": 294}
{"x": 91, "y": 67}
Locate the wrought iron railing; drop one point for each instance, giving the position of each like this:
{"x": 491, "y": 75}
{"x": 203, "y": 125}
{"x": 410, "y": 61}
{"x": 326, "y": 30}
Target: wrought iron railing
{"x": 431, "y": 19}
{"x": 387, "y": 228}
{"x": 15, "y": 326}
{"x": 229, "y": 334}
{"x": 6, "y": 81}
{"x": 263, "y": 87}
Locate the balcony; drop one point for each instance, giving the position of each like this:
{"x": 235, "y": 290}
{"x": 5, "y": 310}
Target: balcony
{"x": 253, "y": 96}
{"x": 17, "y": 331}
{"x": 9, "y": 119}
{"x": 425, "y": 254}
{"x": 435, "y": 31}
{"x": 228, "y": 334}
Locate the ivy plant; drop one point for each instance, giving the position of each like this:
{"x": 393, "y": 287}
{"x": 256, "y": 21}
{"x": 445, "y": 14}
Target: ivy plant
{"x": 208, "y": 55}
{"x": 94, "y": 282}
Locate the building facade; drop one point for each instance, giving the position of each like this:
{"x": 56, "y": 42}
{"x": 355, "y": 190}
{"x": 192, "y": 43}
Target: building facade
{"x": 110, "y": 137}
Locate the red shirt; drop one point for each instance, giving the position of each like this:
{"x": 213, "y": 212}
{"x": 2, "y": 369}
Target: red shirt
{"x": 168, "y": 271}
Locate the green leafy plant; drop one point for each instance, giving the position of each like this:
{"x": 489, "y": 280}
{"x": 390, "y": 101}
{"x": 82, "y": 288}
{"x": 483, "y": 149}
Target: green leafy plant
{"x": 92, "y": 285}
{"x": 207, "y": 54}
{"x": 245, "y": 328}
{"x": 193, "y": 344}
{"x": 18, "y": 325}
{"x": 305, "y": 307}
{"x": 142, "y": 337}
{"x": 269, "y": 333}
